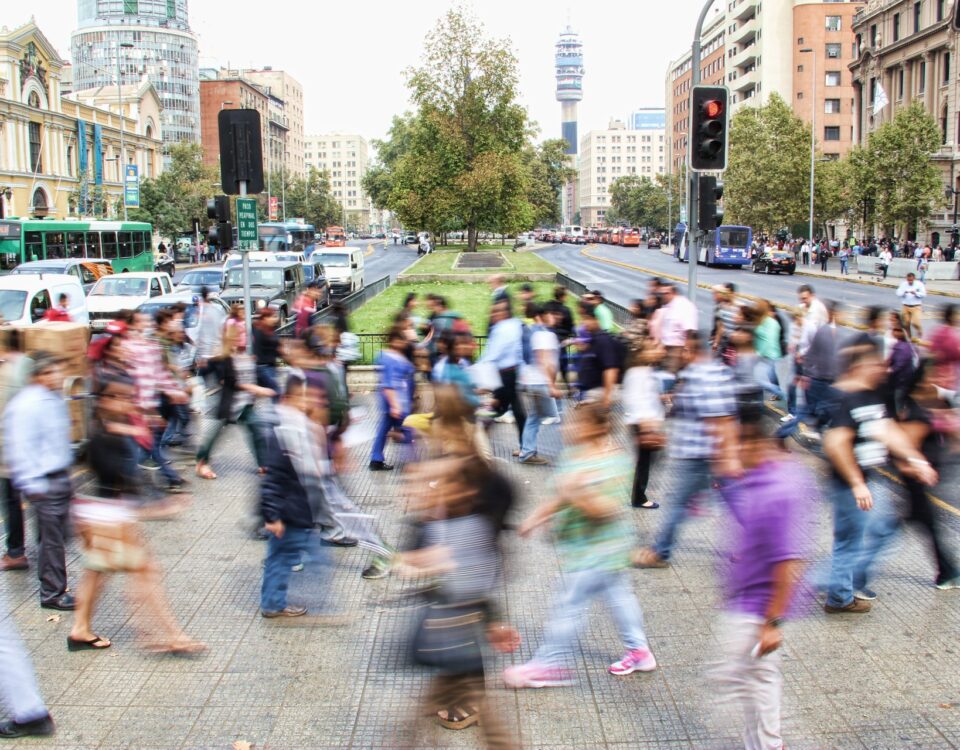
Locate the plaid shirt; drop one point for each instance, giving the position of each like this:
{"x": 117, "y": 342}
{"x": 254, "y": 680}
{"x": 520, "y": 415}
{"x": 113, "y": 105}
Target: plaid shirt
{"x": 146, "y": 366}
{"x": 705, "y": 390}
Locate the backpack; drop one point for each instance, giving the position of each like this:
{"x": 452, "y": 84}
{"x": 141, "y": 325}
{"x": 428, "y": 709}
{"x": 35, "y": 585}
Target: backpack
{"x": 527, "y": 341}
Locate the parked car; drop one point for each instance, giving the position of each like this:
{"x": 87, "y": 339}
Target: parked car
{"x": 411, "y": 239}
{"x": 777, "y": 261}
{"x": 271, "y": 284}
{"x": 191, "y": 303}
{"x": 653, "y": 243}
{"x": 315, "y": 273}
{"x": 87, "y": 271}
{"x": 25, "y": 298}
{"x": 233, "y": 260}
{"x": 124, "y": 291}
{"x": 163, "y": 263}
{"x": 200, "y": 278}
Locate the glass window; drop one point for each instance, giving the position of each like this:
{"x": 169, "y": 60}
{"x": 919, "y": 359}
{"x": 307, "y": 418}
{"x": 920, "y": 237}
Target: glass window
{"x": 171, "y": 9}
{"x": 130, "y": 7}
{"x": 833, "y": 23}
{"x": 35, "y": 148}
{"x": 93, "y": 245}
{"x": 109, "y": 245}
{"x": 833, "y": 50}
{"x": 833, "y": 78}
{"x": 55, "y": 245}
{"x": 873, "y": 35}
{"x": 940, "y": 9}
{"x": 922, "y": 86}
{"x": 896, "y": 26}
{"x": 900, "y": 83}
{"x": 87, "y": 276}
{"x": 916, "y": 17}
{"x": 831, "y": 133}
{"x": 39, "y": 305}
{"x": 75, "y": 245}
{"x": 125, "y": 242}
{"x": 831, "y": 106}
{"x": 946, "y": 67}
{"x": 155, "y": 287}
{"x": 33, "y": 246}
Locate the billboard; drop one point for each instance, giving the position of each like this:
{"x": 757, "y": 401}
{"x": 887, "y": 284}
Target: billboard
{"x": 648, "y": 120}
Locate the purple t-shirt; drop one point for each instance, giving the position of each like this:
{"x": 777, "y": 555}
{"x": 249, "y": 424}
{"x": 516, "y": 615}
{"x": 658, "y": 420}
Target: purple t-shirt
{"x": 770, "y": 505}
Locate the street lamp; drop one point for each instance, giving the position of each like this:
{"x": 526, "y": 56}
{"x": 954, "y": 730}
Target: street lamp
{"x": 813, "y": 134}
{"x": 123, "y": 153}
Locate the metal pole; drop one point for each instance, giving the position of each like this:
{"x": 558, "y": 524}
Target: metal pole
{"x": 122, "y": 170}
{"x": 693, "y": 197}
{"x": 245, "y": 254}
{"x": 283, "y": 185}
{"x": 813, "y": 138}
{"x": 269, "y": 168}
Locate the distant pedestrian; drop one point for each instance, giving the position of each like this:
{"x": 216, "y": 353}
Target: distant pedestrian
{"x": 395, "y": 395}
{"x": 912, "y": 292}
{"x": 886, "y": 258}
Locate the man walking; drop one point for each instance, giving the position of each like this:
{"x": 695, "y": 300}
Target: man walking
{"x": 678, "y": 318}
{"x": 911, "y": 293}
{"x": 37, "y": 425}
{"x": 505, "y": 350}
{"x": 538, "y": 381}
{"x": 598, "y": 367}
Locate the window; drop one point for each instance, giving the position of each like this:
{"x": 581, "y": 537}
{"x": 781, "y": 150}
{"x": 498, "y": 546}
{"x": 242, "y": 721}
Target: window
{"x": 69, "y": 161}
{"x": 110, "y": 245}
{"x": 799, "y": 68}
{"x": 896, "y": 26}
{"x": 922, "y": 85}
{"x": 900, "y": 83}
{"x": 831, "y": 133}
{"x": 93, "y": 245}
{"x": 126, "y": 245}
{"x": 833, "y": 23}
{"x": 799, "y": 40}
{"x": 35, "y": 149}
{"x": 75, "y": 244}
{"x": 39, "y": 305}
{"x": 154, "y": 287}
{"x": 873, "y": 35}
{"x": 54, "y": 245}
{"x": 33, "y": 243}
{"x": 831, "y": 106}
{"x": 946, "y": 67}
{"x": 833, "y": 51}
{"x": 832, "y": 78}
{"x": 130, "y": 7}
{"x": 916, "y": 17}
{"x": 171, "y": 8}
{"x": 940, "y": 9}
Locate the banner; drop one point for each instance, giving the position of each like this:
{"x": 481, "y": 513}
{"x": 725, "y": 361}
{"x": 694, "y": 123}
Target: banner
{"x": 82, "y": 164}
{"x": 131, "y": 186}
{"x": 97, "y": 155}
{"x": 274, "y": 207}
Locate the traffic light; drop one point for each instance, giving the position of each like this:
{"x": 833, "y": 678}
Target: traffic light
{"x": 710, "y": 193}
{"x": 220, "y": 234}
{"x": 709, "y": 125}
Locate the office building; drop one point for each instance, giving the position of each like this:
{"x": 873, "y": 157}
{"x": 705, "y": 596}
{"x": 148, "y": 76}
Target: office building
{"x": 217, "y": 94}
{"x": 153, "y": 40}
{"x": 59, "y": 154}
{"x": 568, "y": 64}
{"x": 344, "y": 158}
{"x": 286, "y": 95}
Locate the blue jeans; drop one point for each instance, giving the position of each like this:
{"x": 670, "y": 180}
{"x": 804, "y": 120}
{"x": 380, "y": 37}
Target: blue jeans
{"x": 580, "y": 588}
{"x": 858, "y": 537}
{"x": 267, "y": 378}
{"x": 387, "y": 423}
{"x": 156, "y": 453}
{"x": 19, "y": 692}
{"x": 176, "y": 424}
{"x": 691, "y": 476}
{"x": 539, "y": 405}
{"x": 295, "y": 546}
{"x": 818, "y": 400}
{"x": 765, "y": 373}
{"x": 843, "y": 265}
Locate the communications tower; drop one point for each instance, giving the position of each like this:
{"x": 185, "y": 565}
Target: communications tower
{"x": 568, "y": 62}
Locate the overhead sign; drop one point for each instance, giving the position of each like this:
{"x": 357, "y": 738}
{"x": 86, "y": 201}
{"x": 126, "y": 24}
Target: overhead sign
{"x": 247, "y": 223}
{"x": 131, "y": 186}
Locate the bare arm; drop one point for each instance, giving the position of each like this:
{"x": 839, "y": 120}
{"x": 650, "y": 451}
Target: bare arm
{"x": 838, "y": 446}
{"x": 609, "y": 383}
{"x": 785, "y": 577}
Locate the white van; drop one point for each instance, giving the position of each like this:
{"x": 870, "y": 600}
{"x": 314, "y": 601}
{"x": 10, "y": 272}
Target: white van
{"x": 24, "y": 299}
{"x": 344, "y": 267}
{"x": 236, "y": 259}
{"x": 124, "y": 291}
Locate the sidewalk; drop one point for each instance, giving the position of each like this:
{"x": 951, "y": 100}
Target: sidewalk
{"x": 889, "y": 679}
{"x": 944, "y": 288}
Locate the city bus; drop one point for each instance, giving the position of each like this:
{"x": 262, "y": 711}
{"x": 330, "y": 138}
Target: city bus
{"x": 128, "y": 245}
{"x": 630, "y": 237}
{"x": 336, "y": 237}
{"x": 726, "y": 245}
{"x": 287, "y": 237}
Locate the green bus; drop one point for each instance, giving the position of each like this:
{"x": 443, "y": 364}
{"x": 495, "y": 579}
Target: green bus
{"x": 128, "y": 245}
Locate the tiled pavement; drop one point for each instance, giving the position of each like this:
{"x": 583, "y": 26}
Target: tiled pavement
{"x": 885, "y": 680}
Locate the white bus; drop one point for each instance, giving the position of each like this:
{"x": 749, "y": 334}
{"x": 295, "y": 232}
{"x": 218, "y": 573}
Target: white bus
{"x": 572, "y": 233}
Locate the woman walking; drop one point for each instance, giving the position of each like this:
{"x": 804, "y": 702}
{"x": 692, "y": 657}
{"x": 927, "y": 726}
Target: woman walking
{"x": 266, "y": 347}
{"x": 236, "y": 372}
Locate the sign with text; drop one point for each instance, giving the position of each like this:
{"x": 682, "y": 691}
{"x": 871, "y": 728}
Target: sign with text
{"x": 247, "y": 223}
{"x": 274, "y": 207}
{"x": 131, "y": 186}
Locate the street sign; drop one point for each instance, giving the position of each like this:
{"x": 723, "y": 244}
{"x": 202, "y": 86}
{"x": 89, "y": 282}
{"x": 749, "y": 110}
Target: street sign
{"x": 131, "y": 186}
{"x": 241, "y": 152}
{"x": 274, "y": 207}
{"x": 247, "y": 223}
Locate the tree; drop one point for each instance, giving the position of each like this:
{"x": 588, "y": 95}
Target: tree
{"x": 639, "y": 201}
{"x": 549, "y": 170}
{"x": 766, "y": 185}
{"x": 901, "y": 179}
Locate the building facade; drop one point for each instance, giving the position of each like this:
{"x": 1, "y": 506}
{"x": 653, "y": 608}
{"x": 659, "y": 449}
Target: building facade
{"x": 345, "y": 158}
{"x": 59, "y": 156}
{"x": 606, "y": 155}
{"x": 908, "y": 53}
{"x": 286, "y": 94}
{"x": 229, "y": 93}
{"x": 568, "y": 65}
{"x": 153, "y": 39}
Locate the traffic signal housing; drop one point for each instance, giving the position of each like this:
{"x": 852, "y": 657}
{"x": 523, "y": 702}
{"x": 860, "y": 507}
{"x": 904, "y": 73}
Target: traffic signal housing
{"x": 710, "y": 214}
{"x": 709, "y": 128}
{"x": 220, "y": 234}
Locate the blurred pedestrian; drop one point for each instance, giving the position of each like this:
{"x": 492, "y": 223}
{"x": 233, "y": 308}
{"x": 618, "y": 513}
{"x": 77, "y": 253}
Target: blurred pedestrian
{"x": 19, "y": 692}
{"x": 563, "y": 326}
{"x": 395, "y": 395}
{"x": 678, "y": 317}
{"x": 643, "y": 406}
{"x": 15, "y": 370}
{"x": 593, "y": 541}
{"x": 505, "y": 351}
{"x": 598, "y": 360}
{"x": 266, "y": 347}
{"x": 944, "y": 347}
{"x": 538, "y": 381}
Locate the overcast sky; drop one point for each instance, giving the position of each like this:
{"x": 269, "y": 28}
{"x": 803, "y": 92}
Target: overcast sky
{"x": 349, "y": 55}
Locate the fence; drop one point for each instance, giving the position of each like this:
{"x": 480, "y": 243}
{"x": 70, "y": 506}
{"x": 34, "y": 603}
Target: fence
{"x": 371, "y": 344}
{"x": 351, "y": 303}
{"x": 620, "y": 313}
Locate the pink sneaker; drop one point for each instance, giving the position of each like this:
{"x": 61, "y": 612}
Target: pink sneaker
{"x": 638, "y": 660}
{"x": 533, "y": 675}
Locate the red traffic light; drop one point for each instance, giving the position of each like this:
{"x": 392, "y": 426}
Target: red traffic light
{"x": 713, "y": 108}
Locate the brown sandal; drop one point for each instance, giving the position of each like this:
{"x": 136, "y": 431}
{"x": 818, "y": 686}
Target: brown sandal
{"x": 205, "y": 472}
{"x": 458, "y": 717}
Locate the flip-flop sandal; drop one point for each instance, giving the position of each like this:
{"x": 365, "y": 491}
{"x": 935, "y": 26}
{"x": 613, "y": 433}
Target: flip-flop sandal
{"x": 205, "y": 472}
{"x": 93, "y": 644}
{"x": 459, "y": 718}
{"x": 184, "y": 646}
{"x": 651, "y": 506}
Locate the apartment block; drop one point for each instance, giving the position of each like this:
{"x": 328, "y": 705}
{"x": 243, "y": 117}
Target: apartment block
{"x": 344, "y": 157}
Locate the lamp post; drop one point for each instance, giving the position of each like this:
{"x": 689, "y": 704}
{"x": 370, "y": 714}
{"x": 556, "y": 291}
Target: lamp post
{"x": 813, "y": 134}
{"x": 123, "y": 154}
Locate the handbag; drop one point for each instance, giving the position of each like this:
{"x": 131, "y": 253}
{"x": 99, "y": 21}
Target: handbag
{"x": 448, "y": 637}
{"x": 110, "y": 534}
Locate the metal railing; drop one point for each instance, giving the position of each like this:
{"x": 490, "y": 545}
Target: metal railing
{"x": 352, "y": 302}
{"x": 371, "y": 344}
{"x": 620, "y": 313}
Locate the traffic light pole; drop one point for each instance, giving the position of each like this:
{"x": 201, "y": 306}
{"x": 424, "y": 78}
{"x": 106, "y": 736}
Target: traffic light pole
{"x": 245, "y": 254}
{"x": 693, "y": 196}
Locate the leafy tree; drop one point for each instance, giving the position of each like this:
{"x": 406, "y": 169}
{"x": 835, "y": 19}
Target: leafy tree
{"x": 639, "y": 201}
{"x": 549, "y": 170}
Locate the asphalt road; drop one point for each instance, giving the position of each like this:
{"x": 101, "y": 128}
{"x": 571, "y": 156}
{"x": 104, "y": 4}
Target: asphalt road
{"x": 621, "y": 284}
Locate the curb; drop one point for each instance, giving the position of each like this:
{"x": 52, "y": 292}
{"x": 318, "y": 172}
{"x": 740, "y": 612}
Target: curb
{"x": 868, "y": 282}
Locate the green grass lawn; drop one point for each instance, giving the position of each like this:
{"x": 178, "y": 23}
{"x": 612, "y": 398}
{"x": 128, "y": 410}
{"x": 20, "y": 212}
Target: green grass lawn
{"x": 470, "y": 299}
{"x": 443, "y": 259}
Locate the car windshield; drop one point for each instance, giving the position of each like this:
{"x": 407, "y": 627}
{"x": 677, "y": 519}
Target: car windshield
{"x": 39, "y": 268}
{"x": 189, "y": 314}
{"x": 11, "y": 304}
{"x": 119, "y": 286}
{"x": 308, "y": 274}
{"x": 201, "y": 278}
{"x": 781, "y": 254}
{"x": 259, "y": 277}
{"x": 338, "y": 260}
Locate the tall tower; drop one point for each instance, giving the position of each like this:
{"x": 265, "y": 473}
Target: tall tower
{"x": 568, "y": 62}
{"x": 154, "y": 41}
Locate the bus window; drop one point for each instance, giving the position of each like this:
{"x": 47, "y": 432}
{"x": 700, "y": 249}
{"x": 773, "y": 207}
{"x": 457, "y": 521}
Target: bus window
{"x": 9, "y": 261}
{"x": 141, "y": 243}
{"x": 110, "y": 245}
{"x": 75, "y": 246}
{"x": 93, "y": 244}
{"x": 125, "y": 243}
{"x": 33, "y": 245}
{"x": 55, "y": 246}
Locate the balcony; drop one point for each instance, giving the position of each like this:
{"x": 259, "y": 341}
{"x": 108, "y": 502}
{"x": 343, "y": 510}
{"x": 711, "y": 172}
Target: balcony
{"x": 746, "y": 57}
{"x": 745, "y": 33}
{"x": 744, "y": 83}
{"x": 744, "y": 9}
